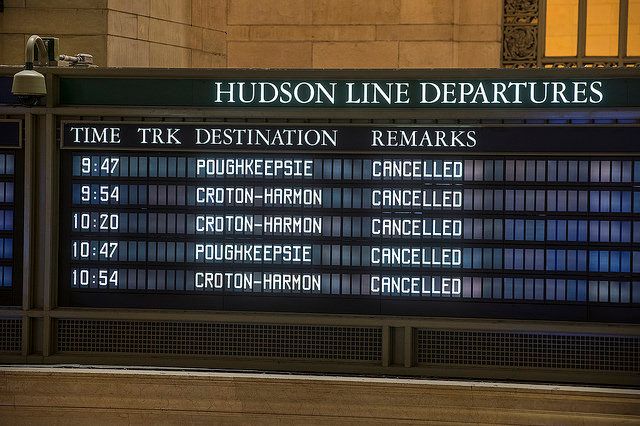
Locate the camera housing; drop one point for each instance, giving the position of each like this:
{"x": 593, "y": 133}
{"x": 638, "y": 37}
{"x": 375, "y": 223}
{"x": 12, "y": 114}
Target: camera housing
{"x": 29, "y": 100}
{"x": 29, "y": 85}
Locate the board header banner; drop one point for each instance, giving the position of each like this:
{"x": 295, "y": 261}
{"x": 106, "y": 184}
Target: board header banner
{"x": 346, "y": 93}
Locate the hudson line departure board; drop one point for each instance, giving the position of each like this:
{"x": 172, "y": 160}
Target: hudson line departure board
{"x": 11, "y": 215}
{"x": 521, "y": 222}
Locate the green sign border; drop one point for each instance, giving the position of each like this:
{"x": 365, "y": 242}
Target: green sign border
{"x": 199, "y": 92}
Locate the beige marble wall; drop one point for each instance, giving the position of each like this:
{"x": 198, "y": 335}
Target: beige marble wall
{"x": 166, "y": 33}
{"x": 364, "y": 33}
{"x": 262, "y": 34}
{"x": 121, "y": 33}
{"x": 80, "y": 25}
{"x": 50, "y": 396}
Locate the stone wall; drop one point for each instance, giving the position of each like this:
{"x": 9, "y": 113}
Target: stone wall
{"x": 121, "y": 33}
{"x": 364, "y": 33}
{"x": 97, "y": 396}
{"x": 166, "y": 33}
{"x": 80, "y": 25}
{"x": 262, "y": 34}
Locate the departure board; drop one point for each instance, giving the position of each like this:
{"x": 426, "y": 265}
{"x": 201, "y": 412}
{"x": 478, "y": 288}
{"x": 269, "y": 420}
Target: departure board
{"x": 10, "y": 212}
{"x": 539, "y": 222}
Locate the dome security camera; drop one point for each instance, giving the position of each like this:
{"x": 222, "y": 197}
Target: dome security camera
{"x": 29, "y": 85}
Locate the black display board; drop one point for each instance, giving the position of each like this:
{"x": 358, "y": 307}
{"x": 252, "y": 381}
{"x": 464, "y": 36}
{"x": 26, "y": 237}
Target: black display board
{"x": 11, "y": 215}
{"x": 469, "y": 221}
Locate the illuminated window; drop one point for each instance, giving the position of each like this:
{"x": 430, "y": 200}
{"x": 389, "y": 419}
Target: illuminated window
{"x": 602, "y": 27}
{"x": 570, "y": 33}
{"x": 633, "y": 29}
{"x": 590, "y": 32}
{"x": 562, "y": 28}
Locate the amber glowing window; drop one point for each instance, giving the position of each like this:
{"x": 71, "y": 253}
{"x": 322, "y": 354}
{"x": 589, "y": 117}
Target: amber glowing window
{"x": 591, "y": 33}
{"x": 562, "y": 28}
{"x": 602, "y": 27}
{"x": 633, "y": 34}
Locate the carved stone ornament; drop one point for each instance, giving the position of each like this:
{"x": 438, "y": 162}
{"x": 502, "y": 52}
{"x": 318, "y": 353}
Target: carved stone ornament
{"x": 520, "y": 43}
{"x": 517, "y": 7}
{"x": 520, "y": 33}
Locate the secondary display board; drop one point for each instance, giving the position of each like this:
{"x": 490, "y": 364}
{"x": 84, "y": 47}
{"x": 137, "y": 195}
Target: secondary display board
{"x": 520, "y": 222}
{"x": 11, "y": 164}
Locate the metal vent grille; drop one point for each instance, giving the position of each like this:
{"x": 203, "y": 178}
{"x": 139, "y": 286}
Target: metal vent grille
{"x": 536, "y": 350}
{"x": 10, "y": 335}
{"x": 221, "y": 339}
